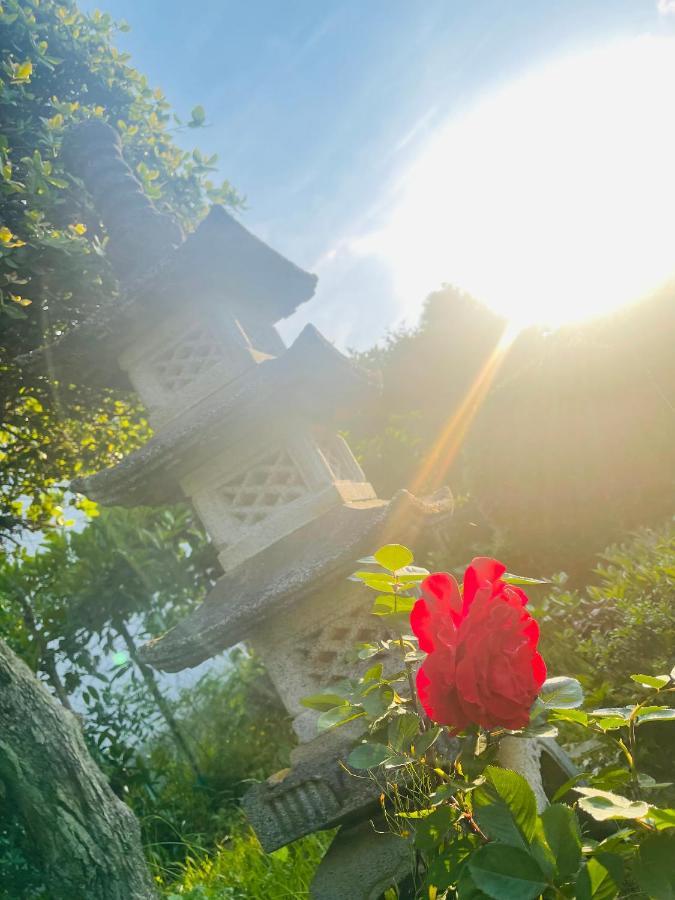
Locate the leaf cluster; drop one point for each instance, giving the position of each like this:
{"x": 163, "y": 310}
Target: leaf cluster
{"x": 59, "y": 66}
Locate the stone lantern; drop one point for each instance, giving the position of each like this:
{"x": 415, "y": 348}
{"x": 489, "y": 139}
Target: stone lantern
{"x": 244, "y": 429}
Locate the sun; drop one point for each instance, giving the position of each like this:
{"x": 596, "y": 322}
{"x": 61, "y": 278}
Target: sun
{"x": 553, "y": 198}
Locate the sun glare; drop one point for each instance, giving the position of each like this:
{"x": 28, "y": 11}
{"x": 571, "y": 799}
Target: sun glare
{"x": 551, "y": 200}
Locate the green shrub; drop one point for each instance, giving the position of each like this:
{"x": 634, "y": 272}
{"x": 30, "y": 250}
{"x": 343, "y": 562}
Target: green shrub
{"x": 622, "y": 625}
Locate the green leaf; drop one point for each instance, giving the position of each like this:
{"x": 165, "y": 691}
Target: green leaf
{"x": 624, "y": 712}
{"x": 466, "y": 888}
{"x": 411, "y": 575}
{"x": 393, "y": 557}
{"x": 366, "y": 650}
{"x": 561, "y": 693}
{"x": 374, "y": 673}
{"x": 603, "y": 805}
{"x": 610, "y": 777}
{"x": 600, "y": 878}
{"x": 403, "y": 730}
{"x": 390, "y": 604}
{"x": 506, "y": 873}
{"x": 377, "y": 581}
{"x": 395, "y": 762}
{"x": 340, "y": 715}
{"x": 198, "y": 117}
{"x": 611, "y": 723}
{"x": 662, "y": 818}
{"x": 657, "y": 715}
{"x": 322, "y": 701}
{"x": 505, "y": 807}
{"x": 14, "y": 312}
{"x": 430, "y": 831}
{"x": 577, "y": 716}
{"x": 377, "y": 702}
{"x": 445, "y": 869}
{"x": 368, "y": 756}
{"x": 563, "y": 836}
{"x": 426, "y": 740}
{"x": 510, "y": 578}
{"x": 541, "y": 852}
{"x": 416, "y": 813}
{"x": 652, "y": 681}
{"x": 542, "y": 729}
{"x": 655, "y": 871}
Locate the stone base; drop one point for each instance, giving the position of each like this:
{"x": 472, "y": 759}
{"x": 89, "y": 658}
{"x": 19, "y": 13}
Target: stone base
{"x": 314, "y": 795}
{"x": 361, "y": 863}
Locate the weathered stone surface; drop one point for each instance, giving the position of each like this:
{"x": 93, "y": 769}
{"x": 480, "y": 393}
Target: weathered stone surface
{"x": 362, "y": 862}
{"x": 306, "y": 647}
{"x": 183, "y": 359}
{"x": 250, "y": 500}
{"x": 318, "y": 794}
{"x": 289, "y": 570}
{"x": 265, "y": 403}
{"x": 138, "y": 235}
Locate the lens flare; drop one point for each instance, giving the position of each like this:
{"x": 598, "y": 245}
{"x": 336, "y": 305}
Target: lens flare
{"x": 551, "y": 199}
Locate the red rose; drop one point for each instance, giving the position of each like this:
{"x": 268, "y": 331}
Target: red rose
{"x": 483, "y": 666}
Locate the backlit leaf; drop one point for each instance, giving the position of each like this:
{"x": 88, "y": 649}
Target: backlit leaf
{"x": 603, "y": 805}
{"x": 561, "y": 693}
{"x": 393, "y": 557}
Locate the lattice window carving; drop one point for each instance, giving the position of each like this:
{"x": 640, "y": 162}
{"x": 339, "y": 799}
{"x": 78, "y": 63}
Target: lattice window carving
{"x": 324, "y": 650}
{"x": 186, "y": 360}
{"x": 271, "y": 483}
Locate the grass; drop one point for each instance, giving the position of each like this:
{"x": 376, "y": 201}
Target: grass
{"x": 240, "y": 870}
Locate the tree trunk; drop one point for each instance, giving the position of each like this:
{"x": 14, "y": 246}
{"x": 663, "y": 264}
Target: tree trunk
{"x": 87, "y": 840}
{"x": 165, "y": 709}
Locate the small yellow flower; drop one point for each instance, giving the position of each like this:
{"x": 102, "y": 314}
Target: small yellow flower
{"x": 22, "y": 301}
{"x": 79, "y": 228}
{"x": 9, "y": 239}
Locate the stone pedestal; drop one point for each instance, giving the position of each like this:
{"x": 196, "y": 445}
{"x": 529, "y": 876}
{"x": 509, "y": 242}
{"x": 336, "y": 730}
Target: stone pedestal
{"x": 362, "y": 863}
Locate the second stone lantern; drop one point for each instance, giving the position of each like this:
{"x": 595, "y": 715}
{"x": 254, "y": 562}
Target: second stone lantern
{"x": 244, "y": 430}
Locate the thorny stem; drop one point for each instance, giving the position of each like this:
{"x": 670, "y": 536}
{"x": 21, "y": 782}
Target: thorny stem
{"x": 408, "y": 665}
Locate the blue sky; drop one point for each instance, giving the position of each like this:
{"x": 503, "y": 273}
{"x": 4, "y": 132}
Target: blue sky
{"x": 316, "y": 109}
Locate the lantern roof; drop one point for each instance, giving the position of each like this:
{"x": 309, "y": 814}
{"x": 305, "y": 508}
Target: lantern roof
{"x": 310, "y": 382}
{"x": 220, "y": 266}
{"x": 303, "y": 561}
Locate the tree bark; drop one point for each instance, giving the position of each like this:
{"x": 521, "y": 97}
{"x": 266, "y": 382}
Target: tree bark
{"x": 87, "y": 840}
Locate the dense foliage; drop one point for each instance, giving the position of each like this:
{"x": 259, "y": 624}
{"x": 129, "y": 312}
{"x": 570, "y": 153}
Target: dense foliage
{"x": 605, "y": 632}
{"x": 59, "y": 66}
{"x": 555, "y": 445}
{"x": 610, "y": 628}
